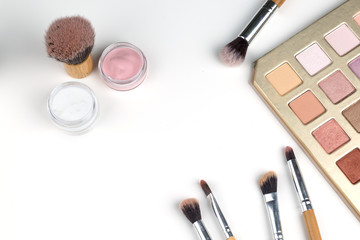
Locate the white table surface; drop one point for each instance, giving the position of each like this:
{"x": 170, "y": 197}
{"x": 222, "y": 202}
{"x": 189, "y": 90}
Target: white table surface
{"x": 192, "y": 118}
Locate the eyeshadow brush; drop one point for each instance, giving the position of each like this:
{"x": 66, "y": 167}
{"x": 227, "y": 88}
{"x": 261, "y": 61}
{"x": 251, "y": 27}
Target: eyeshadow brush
{"x": 235, "y": 51}
{"x": 217, "y": 211}
{"x": 268, "y": 185}
{"x": 307, "y": 210}
{"x": 191, "y": 209}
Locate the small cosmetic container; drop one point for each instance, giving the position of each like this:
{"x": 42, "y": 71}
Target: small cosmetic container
{"x": 73, "y": 107}
{"x": 123, "y": 66}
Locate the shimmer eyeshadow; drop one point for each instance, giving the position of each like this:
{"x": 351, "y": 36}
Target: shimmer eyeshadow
{"x": 336, "y": 87}
{"x": 354, "y": 65}
{"x": 313, "y": 59}
{"x": 307, "y": 107}
{"x": 330, "y": 136}
{"x": 350, "y": 165}
{"x": 342, "y": 40}
{"x": 352, "y": 114}
{"x": 284, "y": 79}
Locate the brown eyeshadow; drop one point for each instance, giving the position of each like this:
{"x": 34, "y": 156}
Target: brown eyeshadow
{"x": 350, "y": 165}
{"x": 352, "y": 114}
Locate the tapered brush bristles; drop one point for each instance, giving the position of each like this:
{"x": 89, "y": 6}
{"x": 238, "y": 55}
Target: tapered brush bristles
{"x": 268, "y": 183}
{"x": 234, "y": 52}
{"x": 205, "y": 187}
{"x": 191, "y": 209}
{"x": 70, "y": 39}
{"x": 289, "y": 153}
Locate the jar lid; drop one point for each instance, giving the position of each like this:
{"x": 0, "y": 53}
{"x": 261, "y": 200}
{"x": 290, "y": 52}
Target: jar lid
{"x": 73, "y": 107}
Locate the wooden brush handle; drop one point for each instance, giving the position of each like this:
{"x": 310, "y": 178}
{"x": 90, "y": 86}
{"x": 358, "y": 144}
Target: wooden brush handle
{"x": 278, "y": 2}
{"x": 311, "y": 225}
{"x": 231, "y": 238}
{"x": 80, "y": 70}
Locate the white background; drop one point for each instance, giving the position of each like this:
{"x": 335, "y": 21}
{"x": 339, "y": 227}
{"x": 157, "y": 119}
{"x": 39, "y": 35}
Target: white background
{"x": 192, "y": 118}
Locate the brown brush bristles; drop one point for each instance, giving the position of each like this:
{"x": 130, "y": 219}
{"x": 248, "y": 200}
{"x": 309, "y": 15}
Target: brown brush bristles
{"x": 289, "y": 153}
{"x": 205, "y": 187}
{"x": 191, "y": 209}
{"x": 70, "y": 39}
{"x": 268, "y": 183}
{"x": 234, "y": 52}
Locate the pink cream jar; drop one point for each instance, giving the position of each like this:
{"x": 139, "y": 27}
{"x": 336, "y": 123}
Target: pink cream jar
{"x": 123, "y": 66}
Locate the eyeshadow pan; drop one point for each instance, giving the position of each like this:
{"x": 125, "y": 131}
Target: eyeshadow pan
{"x": 354, "y": 65}
{"x": 357, "y": 19}
{"x": 336, "y": 87}
{"x": 330, "y": 136}
{"x": 307, "y": 107}
{"x": 342, "y": 40}
{"x": 313, "y": 59}
{"x": 350, "y": 165}
{"x": 284, "y": 79}
{"x": 352, "y": 114}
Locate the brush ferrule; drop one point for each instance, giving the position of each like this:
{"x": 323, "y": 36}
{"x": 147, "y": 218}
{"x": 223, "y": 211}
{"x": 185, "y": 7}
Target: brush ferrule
{"x": 220, "y": 216}
{"x": 201, "y": 230}
{"x": 258, "y": 21}
{"x": 271, "y": 202}
{"x": 299, "y": 185}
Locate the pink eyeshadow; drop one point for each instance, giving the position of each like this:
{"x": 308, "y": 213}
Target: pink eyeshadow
{"x": 342, "y": 40}
{"x": 313, "y": 59}
{"x": 122, "y": 63}
{"x": 330, "y": 136}
{"x": 354, "y": 65}
{"x": 336, "y": 87}
{"x": 357, "y": 19}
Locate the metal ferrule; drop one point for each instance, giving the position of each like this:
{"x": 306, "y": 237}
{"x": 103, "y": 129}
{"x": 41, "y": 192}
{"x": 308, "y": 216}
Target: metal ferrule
{"x": 258, "y": 21}
{"x": 271, "y": 202}
{"x": 219, "y": 215}
{"x": 299, "y": 185}
{"x": 201, "y": 230}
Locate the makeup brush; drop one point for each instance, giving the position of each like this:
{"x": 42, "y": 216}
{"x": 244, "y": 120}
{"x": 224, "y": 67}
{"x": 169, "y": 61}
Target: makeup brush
{"x": 70, "y": 40}
{"x": 191, "y": 209}
{"x": 268, "y": 185}
{"x": 306, "y": 207}
{"x": 218, "y": 213}
{"x": 235, "y": 51}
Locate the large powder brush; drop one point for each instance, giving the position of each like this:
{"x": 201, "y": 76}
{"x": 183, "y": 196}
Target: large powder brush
{"x": 70, "y": 40}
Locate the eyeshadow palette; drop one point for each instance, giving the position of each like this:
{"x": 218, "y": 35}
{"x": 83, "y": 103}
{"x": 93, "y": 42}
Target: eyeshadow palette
{"x": 312, "y": 83}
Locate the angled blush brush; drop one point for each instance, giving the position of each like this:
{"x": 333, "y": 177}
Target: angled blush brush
{"x": 306, "y": 207}
{"x": 268, "y": 186}
{"x": 235, "y": 51}
{"x": 70, "y": 40}
{"x": 217, "y": 211}
{"x": 191, "y": 209}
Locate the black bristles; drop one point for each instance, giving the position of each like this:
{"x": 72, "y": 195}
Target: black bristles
{"x": 235, "y": 51}
{"x": 191, "y": 209}
{"x": 205, "y": 187}
{"x": 268, "y": 183}
{"x": 289, "y": 153}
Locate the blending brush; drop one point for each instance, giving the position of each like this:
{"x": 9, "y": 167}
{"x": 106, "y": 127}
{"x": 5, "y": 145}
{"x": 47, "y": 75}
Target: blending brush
{"x": 268, "y": 185}
{"x": 218, "y": 213}
{"x": 235, "y": 51}
{"x": 191, "y": 209}
{"x": 70, "y": 40}
{"x": 306, "y": 207}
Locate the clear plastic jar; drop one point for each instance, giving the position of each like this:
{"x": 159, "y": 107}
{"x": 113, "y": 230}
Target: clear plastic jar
{"x": 73, "y": 107}
{"x": 123, "y": 66}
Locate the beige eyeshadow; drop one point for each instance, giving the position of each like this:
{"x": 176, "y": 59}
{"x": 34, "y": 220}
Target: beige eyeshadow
{"x": 352, "y": 114}
{"x": 284, "y": 79}
{"x": 307, "y": 107}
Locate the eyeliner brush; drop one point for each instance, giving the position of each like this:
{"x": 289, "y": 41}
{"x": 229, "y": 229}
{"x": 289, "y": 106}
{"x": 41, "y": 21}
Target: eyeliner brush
{"x": 306, "y": 207}
{"x": 191, "y": 209}
{"x": 218, "y": 213}
{"x": 268, "y": 185}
